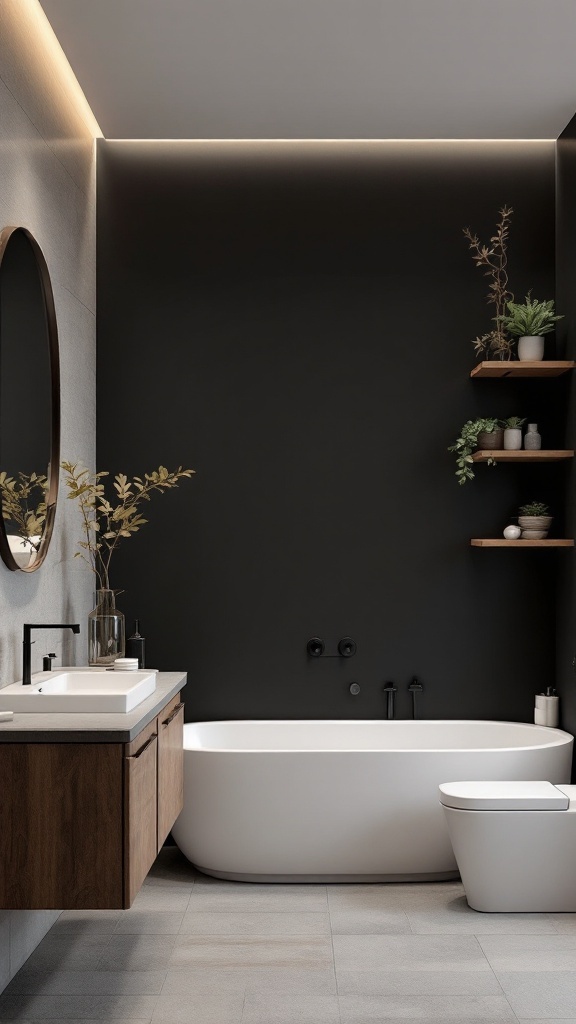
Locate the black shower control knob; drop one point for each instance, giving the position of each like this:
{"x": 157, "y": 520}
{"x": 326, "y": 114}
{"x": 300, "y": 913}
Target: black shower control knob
{"x": 346, "y": 647}
{"x": 315, "y": 647}
{"x": 354, "y": 689}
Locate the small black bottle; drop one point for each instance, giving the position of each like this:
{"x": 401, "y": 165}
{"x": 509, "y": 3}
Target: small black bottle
{"x": 135, "y": 646}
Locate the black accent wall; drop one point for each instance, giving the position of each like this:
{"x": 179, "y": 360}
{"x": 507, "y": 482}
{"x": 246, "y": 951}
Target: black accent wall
{"x": 566, "y": 332}
{"x": 293, "y": 320}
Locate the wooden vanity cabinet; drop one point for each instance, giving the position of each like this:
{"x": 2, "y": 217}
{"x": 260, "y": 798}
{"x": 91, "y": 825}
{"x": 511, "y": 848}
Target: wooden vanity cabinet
{"x": 82, "y": 823}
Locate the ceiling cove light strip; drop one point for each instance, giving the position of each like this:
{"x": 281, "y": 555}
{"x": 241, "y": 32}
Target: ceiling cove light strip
{"x": 354, "y": 142}
{"x": 30, "y": 12}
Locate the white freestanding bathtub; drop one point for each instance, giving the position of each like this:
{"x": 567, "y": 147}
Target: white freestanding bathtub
{"x": 289, "y": 801}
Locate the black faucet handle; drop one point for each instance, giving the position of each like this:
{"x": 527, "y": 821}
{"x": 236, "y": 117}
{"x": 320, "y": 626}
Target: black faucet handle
{"x": 47, "y": 662}
{"x": 315, "y": 647}
{"x": 347, "y": 647}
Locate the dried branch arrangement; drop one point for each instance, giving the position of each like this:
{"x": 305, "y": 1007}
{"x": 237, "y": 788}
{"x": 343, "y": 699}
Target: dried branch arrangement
{"x": 494, "y": 259}
{"x": 104, "y": 524}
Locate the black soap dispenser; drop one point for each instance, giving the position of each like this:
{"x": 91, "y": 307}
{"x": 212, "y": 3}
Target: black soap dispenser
{"x": 135, "y": 646}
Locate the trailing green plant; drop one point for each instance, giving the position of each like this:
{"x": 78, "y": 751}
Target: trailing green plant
{"x": 529, "y": 318}
{"x": 467, "y": 443}
{"x": 494, "y": 258}
{"x": 105, "y": 525}
{"x": 534, "y": 508}
{"x": 513, "y": 423}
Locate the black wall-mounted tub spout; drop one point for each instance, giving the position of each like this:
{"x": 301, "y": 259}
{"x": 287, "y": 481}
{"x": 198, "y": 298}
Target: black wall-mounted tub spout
{"x": 27, "y": 643}
{"x": 390, "y": 690}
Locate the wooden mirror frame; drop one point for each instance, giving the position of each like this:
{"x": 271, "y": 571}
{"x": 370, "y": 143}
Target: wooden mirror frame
{"x": 54, "y": 355}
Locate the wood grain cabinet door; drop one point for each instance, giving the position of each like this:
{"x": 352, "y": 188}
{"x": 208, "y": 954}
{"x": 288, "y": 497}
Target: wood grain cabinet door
{"x": 60, "y": 826}
{"x": 170, "y": 767}
{"x": 140, "y": 810}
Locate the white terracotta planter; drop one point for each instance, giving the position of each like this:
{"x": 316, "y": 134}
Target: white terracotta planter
{"x": 512, "y": 439}
{"x": 531, "y": 347}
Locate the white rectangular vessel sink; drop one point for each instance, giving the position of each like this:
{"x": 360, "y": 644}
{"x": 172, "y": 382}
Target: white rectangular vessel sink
{"x": 79, "y": 690}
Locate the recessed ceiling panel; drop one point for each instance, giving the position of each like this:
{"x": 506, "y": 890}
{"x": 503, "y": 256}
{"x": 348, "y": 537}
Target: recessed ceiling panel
{"x": 251, "y": 69}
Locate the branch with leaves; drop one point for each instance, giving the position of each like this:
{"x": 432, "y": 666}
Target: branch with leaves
{"x": 494, "y": 259}
{"x": 105, "y": 524}
{"x": 22, "y": 505}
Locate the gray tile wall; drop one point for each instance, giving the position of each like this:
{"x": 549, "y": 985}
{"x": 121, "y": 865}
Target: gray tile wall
{"x": 47, "y": 184}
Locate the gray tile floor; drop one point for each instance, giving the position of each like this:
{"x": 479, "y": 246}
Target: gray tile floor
{"x": 194, "y": 950}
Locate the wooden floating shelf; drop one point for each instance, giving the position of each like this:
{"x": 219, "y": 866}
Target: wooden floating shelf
{"x": 528, "y": 368}
{"x": 481, "y": 542}
{"x": 500, "y": 455}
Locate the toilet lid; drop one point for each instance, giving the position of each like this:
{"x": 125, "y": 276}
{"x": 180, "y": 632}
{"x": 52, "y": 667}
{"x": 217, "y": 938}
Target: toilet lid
{"x": 503, "y": 796}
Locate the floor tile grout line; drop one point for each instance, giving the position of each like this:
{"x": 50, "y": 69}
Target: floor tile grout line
{"x": 498, "y": 982}
{"x": 225, "y": 913}
{"x": 334, "y": 961}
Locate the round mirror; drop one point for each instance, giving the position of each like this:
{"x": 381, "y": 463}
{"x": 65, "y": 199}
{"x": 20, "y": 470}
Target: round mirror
{"x": 29, "y": 402}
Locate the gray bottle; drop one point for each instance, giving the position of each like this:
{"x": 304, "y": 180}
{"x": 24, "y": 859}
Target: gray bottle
{"x": 532, "y": 439}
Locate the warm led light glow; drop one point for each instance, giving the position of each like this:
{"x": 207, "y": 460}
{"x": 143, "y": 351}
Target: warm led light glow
{"x": 354, "y": 142}
{"x": 35, "y": 24}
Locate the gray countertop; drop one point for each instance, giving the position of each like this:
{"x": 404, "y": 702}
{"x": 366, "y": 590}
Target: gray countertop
{"x": 94, "y": 727}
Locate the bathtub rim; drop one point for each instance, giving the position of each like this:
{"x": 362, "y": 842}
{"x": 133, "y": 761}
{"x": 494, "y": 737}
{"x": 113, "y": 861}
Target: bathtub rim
{"x": 560, "y": 736}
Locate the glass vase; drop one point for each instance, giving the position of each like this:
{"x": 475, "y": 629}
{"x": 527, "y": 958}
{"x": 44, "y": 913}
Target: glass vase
{"x": 106, "y": 630}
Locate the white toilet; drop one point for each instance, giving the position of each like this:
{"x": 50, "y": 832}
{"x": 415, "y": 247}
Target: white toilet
{"x": 514, "y": 843}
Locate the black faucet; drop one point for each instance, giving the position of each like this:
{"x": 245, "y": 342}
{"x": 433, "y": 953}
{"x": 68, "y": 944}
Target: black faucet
{"x": 414, "y": 688}
{"x": 390, "y": 690}
{"x": 27, "y": 644}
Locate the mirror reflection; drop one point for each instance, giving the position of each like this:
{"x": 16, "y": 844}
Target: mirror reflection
{"x": 29, "y": 401}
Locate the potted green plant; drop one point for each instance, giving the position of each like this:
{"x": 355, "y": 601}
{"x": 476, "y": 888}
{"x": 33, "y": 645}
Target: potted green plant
{"x": 534, "y": 520}
{"x": 485, "y": 433}
{"x": 513, "y": 433}
{"x": 529, "y": 321}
